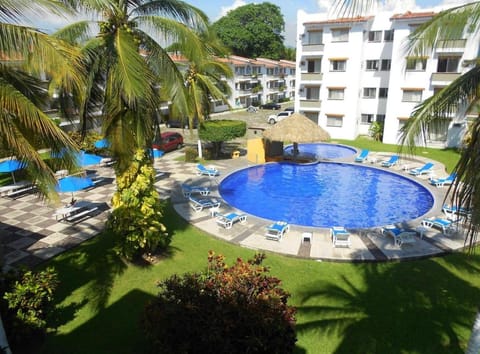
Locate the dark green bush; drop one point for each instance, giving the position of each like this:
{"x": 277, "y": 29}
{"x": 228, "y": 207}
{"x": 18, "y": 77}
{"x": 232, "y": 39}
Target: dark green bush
{"x": 218, "y": 131}
{"x": 226, "y": 309}
{"x": 191, "y": 154}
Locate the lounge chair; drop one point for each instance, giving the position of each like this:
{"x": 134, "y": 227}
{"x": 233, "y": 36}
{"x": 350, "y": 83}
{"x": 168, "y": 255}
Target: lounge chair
{"x": 440, "y": 182}
{"x": 208, "y": 171}
{"x": 390, "y": 162}
{"x": 227, "y": 220}
{"x": 455, "y": 213}
{"x": 362, "y": 156}
{"x": 400, "y": 236}
{"x": 15, "y": 188}
{"x": 276, "y": 230}
{"x": 198, "y": 204}
{"x": 421, "y": 170}
{"x": 340, "y": 236}
{"x": 188, "y": 190}
{"x": 443, "y": 224}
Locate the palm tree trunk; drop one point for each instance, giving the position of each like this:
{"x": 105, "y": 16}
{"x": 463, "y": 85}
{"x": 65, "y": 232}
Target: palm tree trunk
{"x": 474, "y": 341}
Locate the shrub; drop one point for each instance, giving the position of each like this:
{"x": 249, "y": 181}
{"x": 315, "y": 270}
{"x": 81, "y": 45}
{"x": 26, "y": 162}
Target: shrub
{"x": 236, "y": 309}
{"x": 137, "y": 211}
{"x": 191, "y": 154}
{"x": 218, "y": 131}
{"x": 28, "y": 299}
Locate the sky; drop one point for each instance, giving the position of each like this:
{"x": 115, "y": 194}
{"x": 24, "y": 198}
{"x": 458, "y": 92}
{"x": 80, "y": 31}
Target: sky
{"x": 289, "y": 9}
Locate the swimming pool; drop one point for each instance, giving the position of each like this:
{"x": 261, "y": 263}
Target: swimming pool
{"x": 326, "y": 194}
{"x": 323, "y": 150}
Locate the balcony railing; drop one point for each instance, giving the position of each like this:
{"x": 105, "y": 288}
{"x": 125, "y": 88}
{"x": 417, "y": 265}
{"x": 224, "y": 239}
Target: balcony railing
{"x": 310, "y": 103}
{"x": 444, "y": 77}
{"x": 312, "y": 47}
{"x": 311, "y": 76}
{"x": 452, "y": 45}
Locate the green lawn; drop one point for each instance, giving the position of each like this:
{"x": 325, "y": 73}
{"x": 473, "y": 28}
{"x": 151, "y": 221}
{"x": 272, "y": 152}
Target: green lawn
{"x": 424, "y": 306}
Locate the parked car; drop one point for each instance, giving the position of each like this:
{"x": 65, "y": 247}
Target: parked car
{"x": 275, "y": 118}
{"x": 290, "y": 109}
{"x": 177, "y": 123}
{"x": 169, "y": 141}
{"x": 271, "y": 105}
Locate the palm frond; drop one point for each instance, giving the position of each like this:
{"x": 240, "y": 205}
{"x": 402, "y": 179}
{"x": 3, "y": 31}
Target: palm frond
{"x": 352, "y": 8}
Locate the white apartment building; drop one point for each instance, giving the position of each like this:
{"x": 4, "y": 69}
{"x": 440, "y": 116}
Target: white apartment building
{"x": 258, "y": 81}
{"x": 352, "y": 72}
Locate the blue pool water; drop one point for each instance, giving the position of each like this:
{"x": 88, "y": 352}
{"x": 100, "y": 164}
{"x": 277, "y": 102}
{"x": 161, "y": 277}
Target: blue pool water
{"x": 323, "y": 150}
{"x": 326, "y": 194}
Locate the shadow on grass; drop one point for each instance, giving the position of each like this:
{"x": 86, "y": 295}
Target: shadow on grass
{"x": 115, "y": 326}
{"x": 414, "y": 307}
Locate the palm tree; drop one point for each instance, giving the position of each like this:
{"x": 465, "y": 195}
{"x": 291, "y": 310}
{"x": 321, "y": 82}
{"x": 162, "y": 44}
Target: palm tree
{"x": 26, "y": 55}
{"x": 129, "y": 67}
{"x": 462, "y": 93}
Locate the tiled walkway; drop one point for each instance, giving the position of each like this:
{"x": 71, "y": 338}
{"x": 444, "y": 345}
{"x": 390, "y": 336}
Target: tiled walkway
{"x": 29, "y": 233}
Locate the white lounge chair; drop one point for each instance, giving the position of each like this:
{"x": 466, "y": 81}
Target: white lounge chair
{"x": 188, "y": 190}
{"x": 362, "y": 157}
{"x": 208, "y": 171}
{"x": 227, "y": 220}
{"x": 447, "y": 226}
{"x": 340, "y": 236}
{"x": 276, "y": 230}
{"x": 422, "y": 170}
{"x": 198, "y": 204}
{"x": 390, "y": 162}
{"x": 443, "y": 181}
{"x": 400, "y": 236}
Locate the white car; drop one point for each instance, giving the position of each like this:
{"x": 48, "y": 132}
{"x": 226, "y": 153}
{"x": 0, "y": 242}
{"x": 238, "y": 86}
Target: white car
{"x": 275, "y": 118}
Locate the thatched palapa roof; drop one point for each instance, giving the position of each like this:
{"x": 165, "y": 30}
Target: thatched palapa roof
{"x": 296, "y": 128}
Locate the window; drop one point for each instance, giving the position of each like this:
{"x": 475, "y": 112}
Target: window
{"x": 366, "y": 119}
{"x": 416, "y": 64}
{"x": 336, "y": 93}
{"x": 374, "y": 36}
{"x": 372, "y": 64}
{"x": 338, "y": 65}
{"x": 340, "y": 35}
{"x": 380, "y": 118}
{"x": 448, "y": 64}
{"x": 313, "y": 93}
{"x": 314, "y": 66}
{"x": 369, "y": 92}
{"x": 269, "y": 71}
{"x": 383, "y": 92}
{"x": 334, "y": 120}
{"x": 386, "y": 64}
{"x": 388, "y": 35}
{"x": 410, "y": 95}
{"x": 315, "y": 37}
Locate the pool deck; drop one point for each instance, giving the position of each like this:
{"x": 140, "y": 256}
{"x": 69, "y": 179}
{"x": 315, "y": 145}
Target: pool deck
{"x": 30, "y": 233}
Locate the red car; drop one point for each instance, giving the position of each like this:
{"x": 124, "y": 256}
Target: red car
{"x": 169, "y": 141}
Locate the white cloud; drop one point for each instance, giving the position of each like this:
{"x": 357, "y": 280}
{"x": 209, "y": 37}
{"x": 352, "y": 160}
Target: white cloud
{"x": 398, "y": 6}
{"x": 324, "y": 5}
{"x": 224, "y": 9}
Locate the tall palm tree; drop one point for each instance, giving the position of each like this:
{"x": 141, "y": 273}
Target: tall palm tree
{"x": 462, "y": 93}
{"x": 26, "y": 55}
{"x": 129, "y": 67}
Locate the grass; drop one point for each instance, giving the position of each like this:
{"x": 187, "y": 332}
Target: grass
{"x": 424, "y": 306}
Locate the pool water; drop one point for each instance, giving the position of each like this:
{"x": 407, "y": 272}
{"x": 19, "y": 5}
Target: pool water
{"x": 323, "y": 150}
{"x": 326, "y": 194}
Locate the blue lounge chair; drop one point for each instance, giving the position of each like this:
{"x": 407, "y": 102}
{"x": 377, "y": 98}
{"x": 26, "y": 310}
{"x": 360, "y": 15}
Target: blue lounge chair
{"x": 454, "y": 213}
{"x": 208, "y": 171}
{"x": 421, "y": 170}
{"x": 362, "y": 156}
{"x": 188, "y": 190}
{"x": 440, "y": 182}
{"x": 340, "y": 236}
{"x": 276, "y": 230}
{"x": 227, "y": 220}
{"x": 400, "y": 236}
{"x": 444, "y": 224}
{"x": 391, "y": 162}
{"x": 198, "y": 204}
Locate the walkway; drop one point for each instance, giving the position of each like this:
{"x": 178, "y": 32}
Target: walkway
{"x": 30, "y": 234}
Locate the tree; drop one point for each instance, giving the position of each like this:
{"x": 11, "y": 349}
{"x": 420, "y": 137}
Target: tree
{"x": 225, "y": 309}
{"x": 464, "y": 91}
{"x": 218, "y": 131}
{"x": 253, "y": 31}
{"x": 28, "y": 54}
{"x": 127, "y": 64}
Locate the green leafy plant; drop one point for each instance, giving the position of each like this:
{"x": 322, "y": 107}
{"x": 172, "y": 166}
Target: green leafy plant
{"x": 137, "y": 211}
{"x": 376, "y": 131}
{"x": 191, "y": 154}
{"x": 28, "y": 300}
{"x": 218, "y": 131}
{"x": 226, "y": 309}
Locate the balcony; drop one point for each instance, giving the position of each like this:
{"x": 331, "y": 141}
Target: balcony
{"x": 451, "y": 46}
{"x": 312, "y": 47}
{"x": 443, "y": 79}
{"x": 311, "y": 103}
{"x": 311, "y": 76}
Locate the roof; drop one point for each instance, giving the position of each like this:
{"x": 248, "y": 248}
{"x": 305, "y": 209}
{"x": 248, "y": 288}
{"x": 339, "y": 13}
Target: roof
{"x": 345, "y": 20}
{"x": 413, "y": 15}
